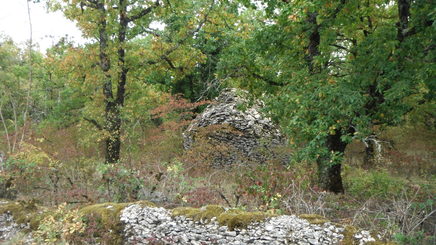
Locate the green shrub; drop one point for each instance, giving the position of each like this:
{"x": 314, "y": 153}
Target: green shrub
{"x": 372, "y": 183}
{"x": 59, "y": 226}
{"x": 416, "y": 238}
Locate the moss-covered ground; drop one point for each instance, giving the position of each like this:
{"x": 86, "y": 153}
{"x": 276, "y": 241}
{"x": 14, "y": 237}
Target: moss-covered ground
{"x": 24, "y": 212}
{"x": 232, "y": 218}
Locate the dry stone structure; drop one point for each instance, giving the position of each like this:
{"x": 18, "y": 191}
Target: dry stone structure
{"x": 235, "y": 128}
{"x": 147, "y": 224}
{"x": 153, "y": 225}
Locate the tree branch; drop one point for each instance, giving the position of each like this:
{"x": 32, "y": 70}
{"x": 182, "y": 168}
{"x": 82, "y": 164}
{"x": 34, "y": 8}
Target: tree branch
{"x": 191, "y": 33}
{"x": 267, "y": 80}
{"x": 144, "y": 12}
{"x": 165, "y": 57}
{"x": 89, "y": 4}
{"x": 340, "y": 47}
{"x": 151, "y": 31}
{"x": 170, "y": 63}
{"x": 93, "y": 122}
{"x": 338, "y": 9}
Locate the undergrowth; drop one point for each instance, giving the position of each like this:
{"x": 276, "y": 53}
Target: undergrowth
{"x": 53, "y": 168}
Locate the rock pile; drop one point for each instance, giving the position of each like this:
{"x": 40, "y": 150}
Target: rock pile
{"x": 8, "y": 227}
{"x": 151, "y": 225}
{"x": 235, "y": 122}
{"x": 143, "y": 223}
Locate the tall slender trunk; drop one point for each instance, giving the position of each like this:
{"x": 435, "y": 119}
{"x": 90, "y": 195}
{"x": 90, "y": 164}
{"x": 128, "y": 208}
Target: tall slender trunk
{"x": 122, "y": 79}
{"x": 26, "y": 109}
{"x": 112, "y": 114}
{"x": 15, "y": 139}
{"x": 5, "y": 128}
{"x": 113, "y": 103}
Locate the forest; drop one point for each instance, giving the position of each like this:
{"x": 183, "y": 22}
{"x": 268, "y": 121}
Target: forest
{"x": 351, "y": 85}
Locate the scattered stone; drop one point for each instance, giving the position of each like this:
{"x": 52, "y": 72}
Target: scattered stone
{"x": 147, "y": 224}
{"x": 10, "y": 229}
{"x": 284, "y": 229}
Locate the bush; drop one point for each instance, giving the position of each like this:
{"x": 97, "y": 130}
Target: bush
{"x": 417, "y": 238}
{"x": 372, "y": 183}
{"x": 265, "y": 184}
{"x": 30, "y": 171}
{"x": 60, "y": 226}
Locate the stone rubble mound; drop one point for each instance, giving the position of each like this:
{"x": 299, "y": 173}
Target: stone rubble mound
{"x": 252, "y": 131}
{"x": 8, "y": 227}
{"x": 151, "y": 225}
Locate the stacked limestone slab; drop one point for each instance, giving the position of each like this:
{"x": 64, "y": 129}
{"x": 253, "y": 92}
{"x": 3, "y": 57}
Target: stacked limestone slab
{"x": 236, "y": 125}
{"x": 143, "y": 223}
{"x": 152, "y": 225}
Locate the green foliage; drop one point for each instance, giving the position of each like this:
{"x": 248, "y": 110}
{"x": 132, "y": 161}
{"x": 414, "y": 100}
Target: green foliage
{"x": 346, "y": 74}
{"x": 417, "y": 238}
{"x": 59, "y": 226}
{"x": 268, "y": 184}
{"x": 373, "y": 183}
{"x": 29, "y": 166}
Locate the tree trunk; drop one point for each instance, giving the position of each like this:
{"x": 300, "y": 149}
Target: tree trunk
{"x": 8, "y": 140}
{"x": 403, "y": 15}
{"x": 329, "y": 172}
{"x": 29, "y": 89}
{"x": 113, "y": 127}
{"x": 314, "y": 41}
{"x": 113, "y": 106}
{"x": 112, "y": 113}
{"x": 329, "y": 176}
{"x": 369, "y": 159}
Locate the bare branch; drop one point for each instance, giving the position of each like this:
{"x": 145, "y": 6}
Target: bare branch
{"x": 340, "y": 47}
{"x": 224, "y": 198}
{"x": 265, "y": 79}
{"x": 151, "y": 31}
{"x": 170, "y": 63}
{"x": 144, "y": 12}
{"x": 93, "y": 122}
{"x": 191, "y": 33}
{"x": 89, "y": 4}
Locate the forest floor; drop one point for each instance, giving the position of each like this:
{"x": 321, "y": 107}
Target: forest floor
{"x": 394, "y": 196}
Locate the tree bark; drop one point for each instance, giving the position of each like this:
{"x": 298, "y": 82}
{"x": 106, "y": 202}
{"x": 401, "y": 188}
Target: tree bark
{"x": 115, "y": 101}
{"x": 369, "y": 157}
{"x": 8, "y": 140}
{"x": 329, "y": 172}
{"x": 113, "y": 105}
{"x": 314, "y": 41}
{"x": 403, "y": 15}
{"x": 30, "y": 60}
{"x": 112, "y": 113}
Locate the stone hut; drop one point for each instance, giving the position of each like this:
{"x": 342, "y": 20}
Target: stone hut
{"x": 234, "y": 130}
